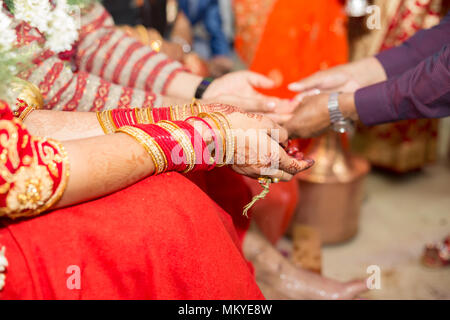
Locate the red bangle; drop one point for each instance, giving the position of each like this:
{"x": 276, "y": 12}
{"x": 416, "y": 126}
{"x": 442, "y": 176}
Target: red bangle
{"x": 161, "y": 114}
{"x": 133, "y": 116}
{"x": 116, "y": 117}
{"x": 201, "y": 164}
{"x": 156, "y": 116}
{"x": 127, "y": 117}
{"x": 169, "y": 146}
{"x": 216, "y": 140}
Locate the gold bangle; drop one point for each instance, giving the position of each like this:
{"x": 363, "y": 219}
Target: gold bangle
{"x": 153, "y": 149}
{"x": 175, "y": 113}
{"x": 183, "y": 139}
{"x": 100, "y": 121}
{"x": 105, "y": 120}
{"x": 219, "y": 127}
{"x": 108, "y": 116}
{"x": 137, "y": 114}
{"x": 196, "y": 103}
{"x": 229, "y": 137}
{"x": 149, "y": 116}
{"x": 26, "y": 112}
{"x": 186, "y": 111}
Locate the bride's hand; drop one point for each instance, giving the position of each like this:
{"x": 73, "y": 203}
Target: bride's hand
{"x": 258, "y": 146}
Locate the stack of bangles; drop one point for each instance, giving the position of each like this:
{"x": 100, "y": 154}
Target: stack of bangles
{"x": 177, "y": 145}
{"x": 111, "y": 120}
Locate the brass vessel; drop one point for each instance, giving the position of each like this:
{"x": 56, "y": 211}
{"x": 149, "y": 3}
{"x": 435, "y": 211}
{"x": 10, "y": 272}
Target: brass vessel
{"x": 331, "y": 192}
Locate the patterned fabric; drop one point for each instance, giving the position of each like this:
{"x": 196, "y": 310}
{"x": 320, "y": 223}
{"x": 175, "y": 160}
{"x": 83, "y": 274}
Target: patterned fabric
{"x": 33, "y": 170}
{"x": 251, "y": 17}
{"x": 399, "y": 20}
{"x": 113, "y": 70}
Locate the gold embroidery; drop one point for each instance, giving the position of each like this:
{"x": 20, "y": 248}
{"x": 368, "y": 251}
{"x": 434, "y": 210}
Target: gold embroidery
{"x": 9, "y": 142}
{"x": 33, "y": 186}
{"x": 30, "y": 187}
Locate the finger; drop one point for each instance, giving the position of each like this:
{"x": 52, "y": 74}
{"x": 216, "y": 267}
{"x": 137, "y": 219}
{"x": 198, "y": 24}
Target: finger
{"x": 292, "y": 165}
{"x": 308, "y": 83}
{"x": 276, "y": 132}
{"x": 279, "y": 135}
{"x": 286, "y": 106}
{"x": 280, "y": 175}
{"x": 258, "y": 80}
{"x": 281, "y": 119}
{"x": 258, "y": 104}
{"x": 307, "y": 93}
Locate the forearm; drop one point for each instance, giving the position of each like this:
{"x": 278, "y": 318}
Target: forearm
{"x": 367, "y": 71}
{"x": 63, "y": 126}
{"x": 183, "y": 85}
{"x": 103, "y": 165}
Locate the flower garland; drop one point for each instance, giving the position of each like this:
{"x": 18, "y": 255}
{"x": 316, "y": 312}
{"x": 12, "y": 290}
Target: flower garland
{"x": 13, "y": 60}
{"x": 55, "y": 20}
{"x": 8, "y": 33}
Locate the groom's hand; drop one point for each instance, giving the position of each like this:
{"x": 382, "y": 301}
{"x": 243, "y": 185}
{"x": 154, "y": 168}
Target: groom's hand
{"x": 239, "y": 89}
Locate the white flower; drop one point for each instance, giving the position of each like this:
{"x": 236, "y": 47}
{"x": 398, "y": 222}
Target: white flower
{"x": 35, "y": 12}
{"x": 62, "y": 31}
{"x": 7, "y": 33}
{"x": 57, "y": 25}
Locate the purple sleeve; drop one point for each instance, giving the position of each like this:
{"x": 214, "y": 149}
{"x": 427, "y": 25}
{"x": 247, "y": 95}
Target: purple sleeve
{"x": 423, "y": 44}
{"x": 421, "y": 92}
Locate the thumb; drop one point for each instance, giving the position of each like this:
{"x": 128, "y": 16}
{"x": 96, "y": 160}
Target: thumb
{"x": 258, "y": 80}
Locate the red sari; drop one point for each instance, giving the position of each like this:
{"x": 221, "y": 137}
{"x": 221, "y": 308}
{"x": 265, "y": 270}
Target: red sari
{"x": 162, "y": 238}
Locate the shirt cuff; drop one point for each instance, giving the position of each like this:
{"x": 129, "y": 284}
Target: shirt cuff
{"x": 373, "y": 104}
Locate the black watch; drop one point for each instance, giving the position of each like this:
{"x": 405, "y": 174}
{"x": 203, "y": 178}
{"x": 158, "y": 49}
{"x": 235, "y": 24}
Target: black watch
{"x": 202, "y": 87}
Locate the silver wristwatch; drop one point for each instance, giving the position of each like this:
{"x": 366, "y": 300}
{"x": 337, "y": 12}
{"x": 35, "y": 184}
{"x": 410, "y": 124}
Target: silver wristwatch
{"x": 338, "y": 122}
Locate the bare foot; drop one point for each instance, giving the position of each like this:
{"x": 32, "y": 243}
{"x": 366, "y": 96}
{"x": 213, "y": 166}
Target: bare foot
{"x": 280, "y": 279}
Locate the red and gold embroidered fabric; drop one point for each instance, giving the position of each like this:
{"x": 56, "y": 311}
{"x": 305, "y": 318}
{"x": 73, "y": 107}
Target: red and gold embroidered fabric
{"x": 33, "y": 170}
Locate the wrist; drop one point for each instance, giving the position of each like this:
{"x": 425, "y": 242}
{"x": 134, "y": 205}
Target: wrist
{"x": 347, "y": 106}
{"x": 202, "y": 87}
{"x": 204, "y": 130}
{"x": 368, "y": 71}
{"x": 184, "y": 85}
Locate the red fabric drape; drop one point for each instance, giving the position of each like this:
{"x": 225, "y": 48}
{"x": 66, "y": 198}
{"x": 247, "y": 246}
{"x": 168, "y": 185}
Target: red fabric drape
{"x": 162, "y": 238}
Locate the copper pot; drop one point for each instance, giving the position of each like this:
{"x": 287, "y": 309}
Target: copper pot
{"x": 331, "y": 192}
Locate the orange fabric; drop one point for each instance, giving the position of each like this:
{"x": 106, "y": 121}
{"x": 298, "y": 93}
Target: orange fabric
{"x": 298, "y": 38}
